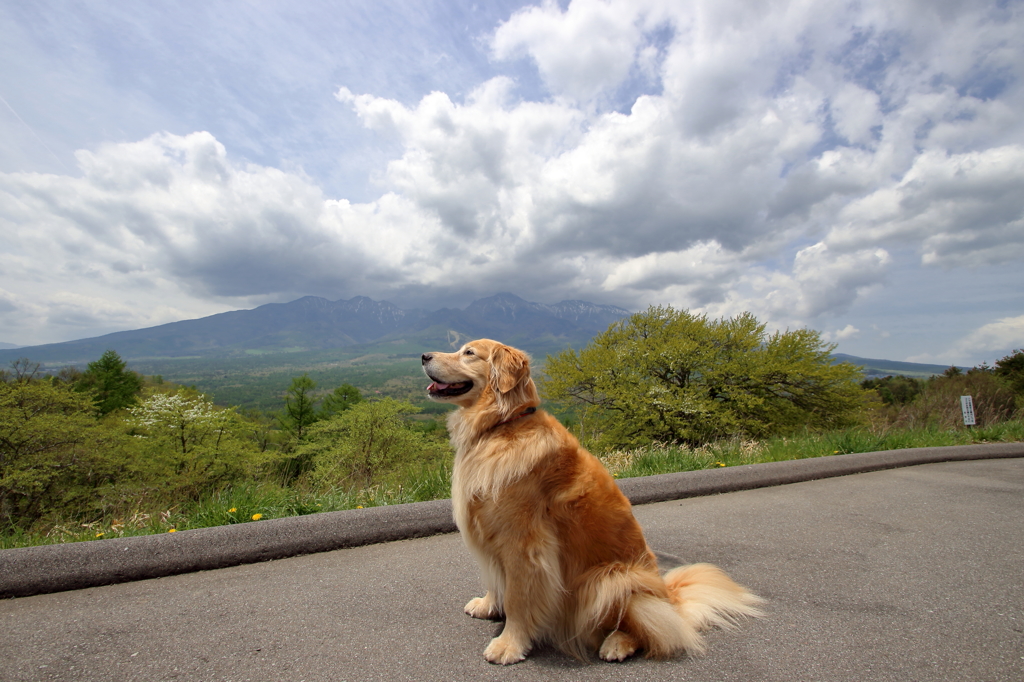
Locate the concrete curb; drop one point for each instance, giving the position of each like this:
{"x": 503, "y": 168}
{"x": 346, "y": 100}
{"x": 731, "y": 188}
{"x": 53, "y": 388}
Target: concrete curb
{"x": 55, "y": 568}
{"x": 730, "y": 479}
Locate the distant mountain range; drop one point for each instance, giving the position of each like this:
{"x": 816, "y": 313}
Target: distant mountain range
{"x": 312, "y": 323}
{"x": 880, "y": 368}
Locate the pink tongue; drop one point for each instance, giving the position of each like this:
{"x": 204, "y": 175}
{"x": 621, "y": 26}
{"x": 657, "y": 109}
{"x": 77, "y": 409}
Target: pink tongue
{"x": 438, "y": 386}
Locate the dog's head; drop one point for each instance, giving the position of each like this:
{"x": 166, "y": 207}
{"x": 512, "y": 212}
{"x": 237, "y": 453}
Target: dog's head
{"x": 481, "y": 373}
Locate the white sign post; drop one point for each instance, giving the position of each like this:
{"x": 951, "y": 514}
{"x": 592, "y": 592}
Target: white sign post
{"x": 967, "y": 405}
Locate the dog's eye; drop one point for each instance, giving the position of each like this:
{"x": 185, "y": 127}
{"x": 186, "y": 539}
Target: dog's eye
{"x": 468, "y": 351}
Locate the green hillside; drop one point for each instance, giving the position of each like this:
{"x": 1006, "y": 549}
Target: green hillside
{"x": 876, "y": 367}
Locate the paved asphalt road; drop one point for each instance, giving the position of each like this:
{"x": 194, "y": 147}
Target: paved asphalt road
{"x": 905, "y": 574}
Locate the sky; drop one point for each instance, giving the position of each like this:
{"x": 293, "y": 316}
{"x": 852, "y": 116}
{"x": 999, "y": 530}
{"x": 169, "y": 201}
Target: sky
{"x": 852, "y": 167}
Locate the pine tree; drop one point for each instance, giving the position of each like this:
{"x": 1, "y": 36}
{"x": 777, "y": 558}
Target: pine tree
{"x": 113, "y": 385}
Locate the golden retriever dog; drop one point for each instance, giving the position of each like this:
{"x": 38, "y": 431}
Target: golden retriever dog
{"x": 562, "y": 558}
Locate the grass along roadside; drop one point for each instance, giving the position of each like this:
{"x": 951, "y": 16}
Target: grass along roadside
{"x": 247, "y": 503}
{"x": 664, "y": 459}
{"x": 257, "y": 501}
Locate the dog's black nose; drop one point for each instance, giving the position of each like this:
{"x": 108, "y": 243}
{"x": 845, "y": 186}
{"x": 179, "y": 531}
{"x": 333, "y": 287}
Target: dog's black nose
{"x": 426, "y": 357}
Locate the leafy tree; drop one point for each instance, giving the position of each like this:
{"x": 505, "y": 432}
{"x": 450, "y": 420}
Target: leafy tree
{"x": 894, "y": 390}
{"x": 260, "y": 428}
{"x": 343, "y": 397}
{"x": 299, "y": 406}
{"x": 366, "y": 442}
{"x": 193, "y": 445}
{"x": 191, "y": 420}
{"x": 69, "y": 374}
{"x": 672, "y": 376}
{"x": 114, "y": 386}
{"x": 21, "y": 369}
{"x": 43, "y": 425}
{"x": 1011, "y": 368}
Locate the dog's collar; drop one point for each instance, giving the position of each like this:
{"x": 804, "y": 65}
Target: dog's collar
{"x": 525, "y": 413}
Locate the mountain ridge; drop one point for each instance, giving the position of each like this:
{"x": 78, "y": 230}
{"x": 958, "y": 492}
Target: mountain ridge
{"x": 877, "y": 367}
{"x": 317, "y": 323}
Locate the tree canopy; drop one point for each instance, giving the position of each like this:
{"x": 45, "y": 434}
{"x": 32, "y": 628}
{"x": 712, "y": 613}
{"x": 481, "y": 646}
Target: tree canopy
{"x": 42, "y": 427}
{"x": 367, "y": 441}
{"x": 671, "y": 376}
{"x": 341, "y": 399}
{"x": 299, "y": 406}
{"x": 1011, "y": 368}
{"x": 114, "y": 385}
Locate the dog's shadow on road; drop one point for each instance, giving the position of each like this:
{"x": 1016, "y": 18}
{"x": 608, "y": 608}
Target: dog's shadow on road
{"x": 666, "y": 562}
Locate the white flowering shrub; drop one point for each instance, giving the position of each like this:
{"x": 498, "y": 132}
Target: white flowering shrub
{"x": 190, "y": 421}
{"x": 195, "y": 443}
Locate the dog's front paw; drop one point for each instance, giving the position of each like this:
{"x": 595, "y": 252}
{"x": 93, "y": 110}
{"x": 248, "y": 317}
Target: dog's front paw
{"x": 618, "y": 646}
{"x": 503, "y": 650}
{"x": 482, "y": 607}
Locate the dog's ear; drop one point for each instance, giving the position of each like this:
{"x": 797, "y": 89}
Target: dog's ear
{"x": 509, "y": 367}
{"x": 510, "y": 380}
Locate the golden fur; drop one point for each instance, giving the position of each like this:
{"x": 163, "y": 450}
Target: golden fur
{"x": 562, "y": 558}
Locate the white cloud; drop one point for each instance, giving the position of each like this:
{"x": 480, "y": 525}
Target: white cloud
{"x": 774, "y": 157}
{"x": 963, "y": 209}
{"x": 1000, "y": 338}
{"x": 172, "y": 217}
{"x": 580, "y": 53}
{"x": 847, "y": 332}
{"x": 856, "y": 113}
{"x": 77, "y": 310}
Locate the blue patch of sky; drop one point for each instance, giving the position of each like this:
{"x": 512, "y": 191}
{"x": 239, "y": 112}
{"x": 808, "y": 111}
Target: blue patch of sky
{"x": 261, "y": 79}
{"x": 922, "y": 131}
{"x": 986, "y": 83}
{"x": 641, "y": 81}
{"x": 829, "y": 139}
{"x": 795, "y": 64}
{"x": 865, "y": 60}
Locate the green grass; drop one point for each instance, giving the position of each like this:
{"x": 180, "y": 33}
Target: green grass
{"x": 268, "y": 500}
{"x": 659, "y": 459}
{"x": 246, "y": 503}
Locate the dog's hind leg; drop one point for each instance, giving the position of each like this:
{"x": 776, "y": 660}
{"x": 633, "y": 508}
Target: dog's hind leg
{"x": 618, "y": 646}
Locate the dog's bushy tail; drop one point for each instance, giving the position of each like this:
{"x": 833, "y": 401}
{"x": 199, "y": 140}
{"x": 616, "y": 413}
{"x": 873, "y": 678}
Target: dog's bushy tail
{"x": 699, "y": 596}
{"x": 705, "y": 597}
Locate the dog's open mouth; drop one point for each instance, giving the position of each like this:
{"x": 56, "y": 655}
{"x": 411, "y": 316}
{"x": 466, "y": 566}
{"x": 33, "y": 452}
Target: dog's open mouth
{"x": 449, "y": 390}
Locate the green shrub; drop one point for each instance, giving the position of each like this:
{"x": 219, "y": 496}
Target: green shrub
{"x": 369, "y": 442}
{"x": 45, "y": 427}
{"x": 938, "y": 406}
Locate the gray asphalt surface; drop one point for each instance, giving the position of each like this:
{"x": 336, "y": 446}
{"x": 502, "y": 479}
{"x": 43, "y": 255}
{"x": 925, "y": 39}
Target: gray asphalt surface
{"x": 904, "y": 574}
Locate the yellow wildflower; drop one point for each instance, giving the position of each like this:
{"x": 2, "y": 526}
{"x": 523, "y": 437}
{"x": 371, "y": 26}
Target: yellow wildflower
{"x": 721, "y": 464}
{"x": 99, "y": 535}
{"x": 173, "y": 530}
{"x": 232, "y": 510}
{"x": 257, "y": 517}
{"x": 359, "y": 506}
